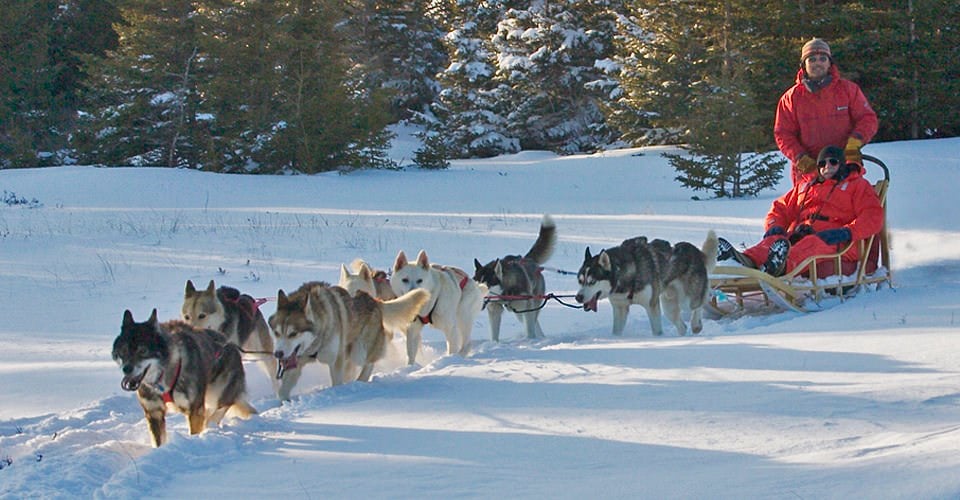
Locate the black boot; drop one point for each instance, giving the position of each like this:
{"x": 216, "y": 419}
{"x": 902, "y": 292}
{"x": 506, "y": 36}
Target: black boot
{"x": 726, "y": 251}
{"x": 777, "y": 258}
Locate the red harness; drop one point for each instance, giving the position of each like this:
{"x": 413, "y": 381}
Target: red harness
{"x": 464, "y": 278}
{"x": 168, "y": 396}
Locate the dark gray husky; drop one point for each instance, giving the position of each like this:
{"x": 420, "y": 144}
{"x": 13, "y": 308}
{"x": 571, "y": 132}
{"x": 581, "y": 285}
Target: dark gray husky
{"x": 194, "y": 370}
{"x": 648, "y": 274}
{"x": 519, "y": 277}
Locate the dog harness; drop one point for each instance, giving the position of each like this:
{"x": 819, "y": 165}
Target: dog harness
{"x": 464, "y": 278}
{"x": 168, "y": 395}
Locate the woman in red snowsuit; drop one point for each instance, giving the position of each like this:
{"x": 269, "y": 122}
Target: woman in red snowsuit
{"x": 818, "y": 216}
{"x": 821, "y": 109}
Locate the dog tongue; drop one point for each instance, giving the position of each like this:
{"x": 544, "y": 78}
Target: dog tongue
{"x": 591, "y": 305}
{"x": 286, "y": 364}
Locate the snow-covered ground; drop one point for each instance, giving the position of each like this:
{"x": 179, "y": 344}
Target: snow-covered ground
{"x": 859, "y": 400}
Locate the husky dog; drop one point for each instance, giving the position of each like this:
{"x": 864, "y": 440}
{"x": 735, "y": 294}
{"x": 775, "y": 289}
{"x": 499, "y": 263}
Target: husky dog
{"x": 195, "y": 370}
{"x": 326, "y": 323}
{"x": 233, "y": 314}
{"x": 648, "y": 273}
{"x": 361, "y": 277}
{"x": 518, "y": 276}
{"x": 455, "y": 301}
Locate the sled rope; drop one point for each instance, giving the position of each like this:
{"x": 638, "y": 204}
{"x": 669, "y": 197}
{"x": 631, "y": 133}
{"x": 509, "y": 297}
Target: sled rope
{"x": 558, "y": 271}
{"x": 545, "y": 298}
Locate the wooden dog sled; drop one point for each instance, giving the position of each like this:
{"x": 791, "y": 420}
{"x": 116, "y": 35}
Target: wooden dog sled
{"x": 741, "y": 290}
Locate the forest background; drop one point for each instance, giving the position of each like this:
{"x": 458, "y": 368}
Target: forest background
{"x": 304, "y": 86}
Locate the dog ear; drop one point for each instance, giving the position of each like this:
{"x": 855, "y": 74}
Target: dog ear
{"x": 498, "y": 269}
{"x": 153, "y": 318}
{"x": 477, "y": 265}
{"x": 422, "y": 260}
{"x": 281, "y": 299}
{"x": 211, "y": 288}
{"x": 401, "y": 261}
{"x": 365, "y": 272}
{"x": 344, "y": 273}
{"x": 604, "y": 260}
{"x": 190, "y": 291}
{"x": 586, "y": 255}
{"x": 127, "y": 319}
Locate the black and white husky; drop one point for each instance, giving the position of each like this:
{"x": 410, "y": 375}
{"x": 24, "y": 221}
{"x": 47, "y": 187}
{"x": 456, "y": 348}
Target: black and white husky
{"x": 650, "y": 274}
{"x": 519, "y": 282}
{"x": 195, "y": 371}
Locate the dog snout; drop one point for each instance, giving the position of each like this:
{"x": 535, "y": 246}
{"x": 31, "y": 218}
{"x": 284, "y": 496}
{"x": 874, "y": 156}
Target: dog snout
{"x": 127, "y": 369}
{"x": 579, "y": 298}
{"x": 278, "y": 354}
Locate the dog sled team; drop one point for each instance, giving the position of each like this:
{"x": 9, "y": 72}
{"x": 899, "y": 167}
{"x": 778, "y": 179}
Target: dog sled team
{"x": 193, "y": 364}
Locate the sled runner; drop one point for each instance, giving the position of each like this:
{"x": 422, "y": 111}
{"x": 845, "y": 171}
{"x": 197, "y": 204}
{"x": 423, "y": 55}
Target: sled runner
{"x": 742, "y": 290}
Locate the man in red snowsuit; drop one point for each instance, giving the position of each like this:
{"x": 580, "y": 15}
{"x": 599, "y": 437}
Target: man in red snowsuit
{"x": 818, "y": 216}
{"x": 821, "y": 109}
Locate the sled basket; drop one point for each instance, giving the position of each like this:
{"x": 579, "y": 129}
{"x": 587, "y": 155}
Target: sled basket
{"x": 742, "y": 290}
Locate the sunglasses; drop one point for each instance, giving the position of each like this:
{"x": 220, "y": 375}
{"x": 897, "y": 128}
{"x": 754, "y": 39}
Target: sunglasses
{"x": 820, "y": 58}
{"x": 832, "y": 161}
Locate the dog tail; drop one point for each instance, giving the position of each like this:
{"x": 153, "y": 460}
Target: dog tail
{"x": 542, "y": 249}
{"x": 399, "y": 312}
{"x": 709, "y": 250}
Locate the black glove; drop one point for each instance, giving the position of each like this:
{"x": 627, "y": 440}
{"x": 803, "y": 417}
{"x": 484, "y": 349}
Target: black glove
{"x": 773, "y": 231}
{"x": 800, "y": 232}
{"x": 835, "y": 236}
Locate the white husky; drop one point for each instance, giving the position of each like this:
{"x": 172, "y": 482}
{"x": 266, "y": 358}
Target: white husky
{"x": 455, "y": 301}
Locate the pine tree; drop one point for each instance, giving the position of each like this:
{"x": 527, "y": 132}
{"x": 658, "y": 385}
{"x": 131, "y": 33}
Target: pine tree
{"x": 25, "y": 81}
{"x": 42, "y": 42}
{"x": 398, "y": 47}
{"x": 286, "y": 96}
{"x": 716, "y": 112}
{"x": 144, "y": 97}
{"x": 546, "y": 56}
{"x": 470, "y": 110}
{"x": 724, "y": 148}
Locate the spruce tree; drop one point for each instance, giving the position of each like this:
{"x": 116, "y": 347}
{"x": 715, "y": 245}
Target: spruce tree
{"x": 144, "y": 101}
{"x": 469, "y": 112}
{"x": 695, "y": 86}
{"x": 26, "y": 80}
{"x": 398, "y": 46}
{"x": 546, "y": 55}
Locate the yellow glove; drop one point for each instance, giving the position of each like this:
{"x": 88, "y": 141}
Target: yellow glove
{"x": 806, "y": 164}
{"x": 852, "y": 151}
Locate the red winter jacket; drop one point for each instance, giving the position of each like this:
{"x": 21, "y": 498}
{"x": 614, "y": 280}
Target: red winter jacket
{"x": 850, "y": 203}
{"x": 807, "y": 122}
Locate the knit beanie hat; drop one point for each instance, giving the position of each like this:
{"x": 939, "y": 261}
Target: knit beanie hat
{"x": 814, "y": 46}
{"x": 830, "y": 153}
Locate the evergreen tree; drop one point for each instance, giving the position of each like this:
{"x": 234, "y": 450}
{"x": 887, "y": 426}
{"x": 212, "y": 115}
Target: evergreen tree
{"x": 398, "y": 46}
{"x": 716, "y": 112}
{"x": 286, "y": 96}
{"x": 40, "y": 75}
{"x": 663, "y": 56}
{"x": 470, "y": 110}
{"x": 25, "y": 81}
{"x": 721, "y": 147}
{"x": 546, "y": 55}
{"x": 144, "y": 97}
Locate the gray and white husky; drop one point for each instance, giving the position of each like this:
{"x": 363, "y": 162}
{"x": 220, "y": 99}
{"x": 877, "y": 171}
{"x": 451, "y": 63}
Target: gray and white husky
{"x": 648, "y": 274}
{"x": 195, "y": 371}
{"x": 519, "y": 277}
{"x": 346, "y": 332}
